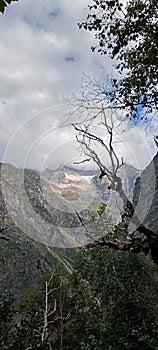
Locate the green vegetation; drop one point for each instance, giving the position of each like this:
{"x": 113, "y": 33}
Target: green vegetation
{"x": 128, "y": 33}
{"x": 109, "y": 302}
{"x": 70, "y": 195}
{"x": 21, "y": 260}
{"x": 4, "y": 4}
{"x": 98, "y": 298}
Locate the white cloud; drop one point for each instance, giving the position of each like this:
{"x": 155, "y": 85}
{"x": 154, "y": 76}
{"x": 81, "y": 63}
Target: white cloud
{"x": 43, "y": 55}
{"x": 37, "y": 38}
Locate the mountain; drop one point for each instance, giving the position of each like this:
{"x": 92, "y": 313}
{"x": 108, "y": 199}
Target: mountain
{"x": 38, "y": 211}
{"x": 79, "y": 171}
{"x": 41, "y": 211}
{"x": 22, "y": 255}
{"x": 145, "y": 195}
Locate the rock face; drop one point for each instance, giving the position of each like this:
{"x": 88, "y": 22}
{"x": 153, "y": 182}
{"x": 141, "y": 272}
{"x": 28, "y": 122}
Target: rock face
{"x": 44, "y": 205}
{"x": 22, "y": 256}
{"x": 145, "y": 195}
{"x": 40, "y": 211}
{"x": 128, "y": 176}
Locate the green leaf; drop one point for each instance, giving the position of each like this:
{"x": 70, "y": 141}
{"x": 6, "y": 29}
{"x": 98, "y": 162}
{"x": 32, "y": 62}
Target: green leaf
{"x": 3, "y": 4}
{"x": 131, "y": 39}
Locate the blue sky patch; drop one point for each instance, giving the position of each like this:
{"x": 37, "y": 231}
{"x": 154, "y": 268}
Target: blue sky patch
{"x": 138, "y": 117}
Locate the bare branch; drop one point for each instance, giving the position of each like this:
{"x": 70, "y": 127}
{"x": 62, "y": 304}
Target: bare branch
{"x": 3, "y": 277}
{"x": 93, "y": 109}
{"x": 83, "y": 161}
{"x": 87, "y": 234}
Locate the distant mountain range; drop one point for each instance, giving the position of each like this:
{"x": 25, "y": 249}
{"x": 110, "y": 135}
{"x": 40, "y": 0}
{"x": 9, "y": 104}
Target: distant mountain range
{"x": 42, "y": 215}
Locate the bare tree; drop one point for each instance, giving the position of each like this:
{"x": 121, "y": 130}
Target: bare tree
{"x": 53, "y": 314}
{"x": 93, "y": 110}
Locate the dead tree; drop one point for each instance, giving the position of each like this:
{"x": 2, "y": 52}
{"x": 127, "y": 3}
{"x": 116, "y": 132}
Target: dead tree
{"x": 93, "y": 110}
{"x": 52, "y": 314}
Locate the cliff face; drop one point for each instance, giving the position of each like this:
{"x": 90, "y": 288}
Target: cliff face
{"x": 42, "y": 213}
{"x": 44, "y": 205}
{"x": 39, "y": 213}
{"x": 145, "y": 195}
{"x": 22, "y": 256}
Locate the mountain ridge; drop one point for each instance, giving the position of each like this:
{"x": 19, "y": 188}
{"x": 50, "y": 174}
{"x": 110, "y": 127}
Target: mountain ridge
{"x": 48, "y": 194}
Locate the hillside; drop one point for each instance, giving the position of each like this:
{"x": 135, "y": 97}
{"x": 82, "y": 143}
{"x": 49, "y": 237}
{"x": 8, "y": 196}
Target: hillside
{"x": 22, "y": 256}
{"x": 42, "y": 225}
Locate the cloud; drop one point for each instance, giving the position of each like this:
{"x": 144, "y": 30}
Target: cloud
{"x": 43, "y": 55}
{"x": 69, "y": 59}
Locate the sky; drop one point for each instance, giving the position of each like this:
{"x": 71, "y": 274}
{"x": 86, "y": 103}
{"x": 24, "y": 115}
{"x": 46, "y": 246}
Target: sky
{"x": 43, "y": 56}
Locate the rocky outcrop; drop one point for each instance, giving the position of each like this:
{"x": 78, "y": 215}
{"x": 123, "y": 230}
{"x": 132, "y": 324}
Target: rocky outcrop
{"x": 145, "y": 195}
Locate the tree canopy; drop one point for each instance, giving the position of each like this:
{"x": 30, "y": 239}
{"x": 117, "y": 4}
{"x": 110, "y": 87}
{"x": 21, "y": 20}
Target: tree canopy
{"x": 109, "y": 302}
{"x": 4, "y": 4}
{"x": 128, "y": 33}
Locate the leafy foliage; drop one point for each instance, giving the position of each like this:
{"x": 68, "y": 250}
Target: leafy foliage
{"x": 111, "y": 299}
{"x": 4, "y": 4}
{"x": 126, "y": 288}
{"x": 129, "y": 34}
{"x": 75, "y": 298}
